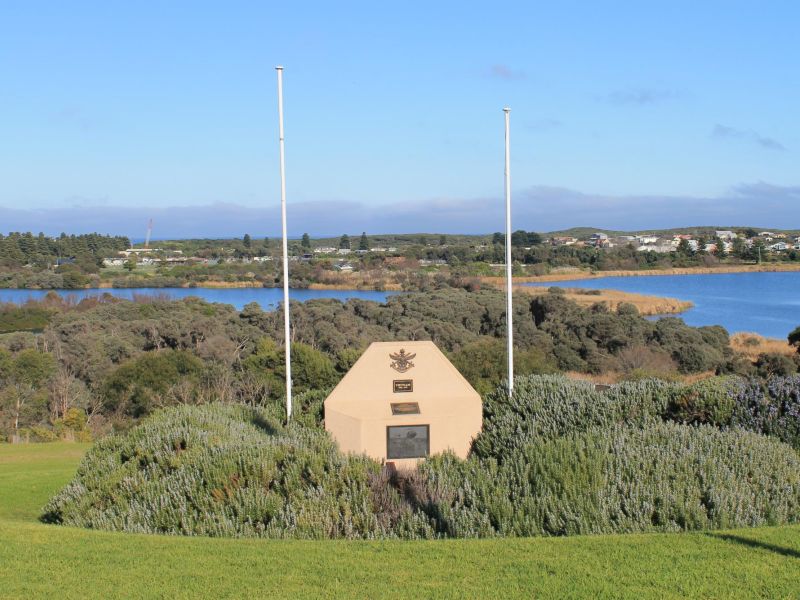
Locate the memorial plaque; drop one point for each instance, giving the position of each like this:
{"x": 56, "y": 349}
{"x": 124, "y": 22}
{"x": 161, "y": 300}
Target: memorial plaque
{"x": 407, "y": 441}
{"x": 405, "y": 408}
{"x": 403, "y": 385}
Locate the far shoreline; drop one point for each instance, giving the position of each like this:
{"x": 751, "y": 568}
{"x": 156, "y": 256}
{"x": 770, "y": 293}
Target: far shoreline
{"x": 582, "y": 274}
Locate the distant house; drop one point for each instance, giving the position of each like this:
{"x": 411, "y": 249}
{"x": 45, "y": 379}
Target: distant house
{"x": 113, "y": 262}
{"x": 138, "y": 251}
{"x": 325, "y": 250}
{"x": 343, "y": 251}
{"x": 779, "y": 247}
{"x": 344, "y": 267}
{"x": 646, "y": 239}
{"x": 662, "y": 248}
{"x": 423, "y": 262}
{"x": 599, "y": 240}
{"x": 725, "y": 235}
{"x": 562, "y": 240}
{"x": 262, "y": 259}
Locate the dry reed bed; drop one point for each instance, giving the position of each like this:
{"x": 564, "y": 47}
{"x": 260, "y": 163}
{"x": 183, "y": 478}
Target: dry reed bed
{"x": 752, "y": 344}
{"x": 646, "y": 305}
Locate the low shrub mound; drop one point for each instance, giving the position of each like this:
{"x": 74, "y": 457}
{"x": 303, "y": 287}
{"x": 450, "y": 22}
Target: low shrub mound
{"x": 558, "y": 458}
{"x": 662, "y": 477}
{"x": 550, "y": 406}
{"x": 221, "y": 470}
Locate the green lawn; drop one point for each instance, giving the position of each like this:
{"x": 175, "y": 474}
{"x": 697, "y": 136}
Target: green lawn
{"x": 39, "y": 560}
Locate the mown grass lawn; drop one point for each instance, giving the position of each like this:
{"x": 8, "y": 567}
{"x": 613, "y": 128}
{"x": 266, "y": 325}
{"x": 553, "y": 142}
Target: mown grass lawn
{"x": 39, "y": 560}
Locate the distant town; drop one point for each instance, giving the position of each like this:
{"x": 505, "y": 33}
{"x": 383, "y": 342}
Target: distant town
{"x": 385, "y": 261}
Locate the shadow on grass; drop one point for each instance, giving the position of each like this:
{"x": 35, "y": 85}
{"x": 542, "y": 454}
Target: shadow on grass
{"x": 790, "y": 552}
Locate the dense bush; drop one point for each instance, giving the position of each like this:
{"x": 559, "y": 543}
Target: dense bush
{"x": 663, "y": 477}
{"x": 138, "y": 386}
{"x": 558, "y": 458}
{"x": 225, "y": 471}
{"x": 773, "y": 409}
{"x": 548, "y": 407}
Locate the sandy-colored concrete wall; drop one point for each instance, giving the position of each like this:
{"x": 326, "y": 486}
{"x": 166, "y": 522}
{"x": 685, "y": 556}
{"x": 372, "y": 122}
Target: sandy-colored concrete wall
{"x": 358, "y": 411}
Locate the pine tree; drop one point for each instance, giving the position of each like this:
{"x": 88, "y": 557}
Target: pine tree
{"x": 306, "y": 242}
{"x": 344, "y": 242}
{"x": 364, "y": 243}
{"x": 720, "y": 244}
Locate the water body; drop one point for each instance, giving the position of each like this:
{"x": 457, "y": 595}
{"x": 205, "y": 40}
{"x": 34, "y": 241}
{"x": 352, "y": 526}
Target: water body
{"x": 268, "y": 298}
{"x": 765, "y": 303}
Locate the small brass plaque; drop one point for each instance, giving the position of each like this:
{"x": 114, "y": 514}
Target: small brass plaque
{"x": 403, "y": 385}
{"x": 405, "y": 408}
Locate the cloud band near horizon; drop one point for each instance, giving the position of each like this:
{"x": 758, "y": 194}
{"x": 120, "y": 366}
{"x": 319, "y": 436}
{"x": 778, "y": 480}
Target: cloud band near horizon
{"x": 539, "y": 208}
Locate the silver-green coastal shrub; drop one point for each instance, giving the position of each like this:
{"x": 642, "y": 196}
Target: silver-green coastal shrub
{"x": 222, "y": 470}
{"x": 622, "y": 478}
{"x": 550, "y": 406}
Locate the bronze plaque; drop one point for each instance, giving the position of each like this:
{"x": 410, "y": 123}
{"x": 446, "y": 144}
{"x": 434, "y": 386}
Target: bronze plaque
{"x": 403, "y": 385}
{"x": 408, "y": 441}
{"x": 405, "y": 408}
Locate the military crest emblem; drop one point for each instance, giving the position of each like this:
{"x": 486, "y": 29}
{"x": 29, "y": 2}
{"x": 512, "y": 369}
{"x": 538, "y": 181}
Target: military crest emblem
{"x": 401, "y": 361}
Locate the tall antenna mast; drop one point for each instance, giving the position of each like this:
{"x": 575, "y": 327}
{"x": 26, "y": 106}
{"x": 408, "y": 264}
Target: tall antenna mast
{"x": 149, "y": 233}
{"x": 286, "y": 336}
{"x": 509, "y": 287}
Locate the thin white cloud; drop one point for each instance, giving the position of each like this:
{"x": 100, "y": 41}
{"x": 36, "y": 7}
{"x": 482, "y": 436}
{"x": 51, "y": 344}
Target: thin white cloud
{"x": 639, "y": 96}
{"x": 724, "y": 132}
{"x": 501, "y": 71}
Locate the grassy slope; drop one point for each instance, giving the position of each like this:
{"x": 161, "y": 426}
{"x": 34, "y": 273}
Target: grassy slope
{"x": 39, "y": 560}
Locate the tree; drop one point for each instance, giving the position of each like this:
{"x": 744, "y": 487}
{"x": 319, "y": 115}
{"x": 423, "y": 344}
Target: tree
{"x": 306, "y": 241}
{"x": 247, "y": 241}
{"x": 750, "y": 232}
{"x": 758, "y": 250}
{"x": 130, "y": 265}
{"x": 25, "y": 375}
{"x": 344, "y": 242}
{"x": 720, "y": 250}
{"x": 363, "y": 244}
{"x": 497, "y": 238}
{"x": 794, "y": 338}
{"x": 684, "y": 249}
{"x": 739, "y": 248}
{"x": 701, "y": 244}
{"x": 442, "y": 240}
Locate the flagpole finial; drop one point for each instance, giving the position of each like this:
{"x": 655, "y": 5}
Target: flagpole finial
{"x": 506, "y": 109}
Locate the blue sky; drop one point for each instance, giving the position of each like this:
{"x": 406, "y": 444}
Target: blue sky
{"x": 624, "y": 115}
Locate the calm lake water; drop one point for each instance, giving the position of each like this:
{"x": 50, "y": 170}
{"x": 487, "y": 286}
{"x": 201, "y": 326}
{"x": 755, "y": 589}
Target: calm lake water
{"x": 766, "y": 303}
{"x": 268, "y": 298}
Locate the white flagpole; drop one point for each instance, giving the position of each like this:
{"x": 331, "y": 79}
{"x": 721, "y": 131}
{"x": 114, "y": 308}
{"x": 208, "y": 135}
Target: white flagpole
{"x": 287, "y": 339}
{"x": 509, "y": 287}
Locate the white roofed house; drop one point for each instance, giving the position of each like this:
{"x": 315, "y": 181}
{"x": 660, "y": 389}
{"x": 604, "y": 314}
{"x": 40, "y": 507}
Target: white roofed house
{"x": 725, "y": 235}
